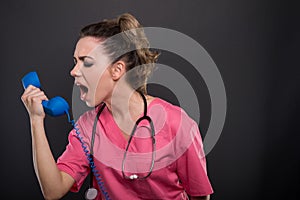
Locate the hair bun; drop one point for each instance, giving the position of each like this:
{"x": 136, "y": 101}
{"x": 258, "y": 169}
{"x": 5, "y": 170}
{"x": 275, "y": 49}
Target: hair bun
{"x": 126, "y": 22}
{"x": 131, "y": 30}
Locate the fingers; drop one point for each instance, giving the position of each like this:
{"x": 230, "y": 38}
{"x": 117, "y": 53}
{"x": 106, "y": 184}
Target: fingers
{"x": 30, "y": 89}
{"x": 36, "y": 97}
{"x": 33, "y": 93}
{"x": 32, "y": 99}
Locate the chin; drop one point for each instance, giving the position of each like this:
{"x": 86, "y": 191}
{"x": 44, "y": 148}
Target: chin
{"x": 90, "y": 104}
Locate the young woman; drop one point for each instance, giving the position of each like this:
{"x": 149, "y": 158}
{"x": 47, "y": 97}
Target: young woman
{"x": 160, "y": 158}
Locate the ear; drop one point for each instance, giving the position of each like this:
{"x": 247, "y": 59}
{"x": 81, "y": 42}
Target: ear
{"x": 117, "y": 70}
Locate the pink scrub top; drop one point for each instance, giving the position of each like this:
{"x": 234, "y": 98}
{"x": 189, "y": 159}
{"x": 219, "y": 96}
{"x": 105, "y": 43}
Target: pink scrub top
{"x": 179, "y": 167}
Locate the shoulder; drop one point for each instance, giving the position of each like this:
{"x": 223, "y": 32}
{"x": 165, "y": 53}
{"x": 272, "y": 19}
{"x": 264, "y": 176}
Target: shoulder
{"x": 173, "y": 115}
{"x": 174, "y": 128}
{"x": 165, "y": 105}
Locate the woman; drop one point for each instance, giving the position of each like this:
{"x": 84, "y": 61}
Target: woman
{"x": 161, "y": 158}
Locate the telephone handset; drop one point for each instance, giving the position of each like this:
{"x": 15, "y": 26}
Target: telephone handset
{"x": 54, "y": 107}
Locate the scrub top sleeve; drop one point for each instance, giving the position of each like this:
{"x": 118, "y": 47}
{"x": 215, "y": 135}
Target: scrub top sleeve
{"x": 191, "y": 168}
{"x": 74, "y": 162}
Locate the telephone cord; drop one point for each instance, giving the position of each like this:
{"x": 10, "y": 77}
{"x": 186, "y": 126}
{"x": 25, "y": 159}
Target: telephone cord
{"x": 90, "y": 158}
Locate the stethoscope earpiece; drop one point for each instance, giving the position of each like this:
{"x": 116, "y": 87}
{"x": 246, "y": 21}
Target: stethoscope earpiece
{"x": 91, "y": 194}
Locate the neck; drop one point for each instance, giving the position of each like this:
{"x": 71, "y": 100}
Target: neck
{"x": 126, "y": 106}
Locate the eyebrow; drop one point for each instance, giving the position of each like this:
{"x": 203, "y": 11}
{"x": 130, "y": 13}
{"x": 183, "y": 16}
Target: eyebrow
{"x": 83, "y": 57}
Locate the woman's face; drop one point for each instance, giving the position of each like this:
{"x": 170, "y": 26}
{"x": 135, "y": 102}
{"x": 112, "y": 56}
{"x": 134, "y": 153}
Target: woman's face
{"x": 91, "y": 71}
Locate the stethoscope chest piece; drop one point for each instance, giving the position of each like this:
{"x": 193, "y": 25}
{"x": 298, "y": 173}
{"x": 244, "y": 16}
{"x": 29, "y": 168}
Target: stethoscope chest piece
{"x": 91, "y": 194}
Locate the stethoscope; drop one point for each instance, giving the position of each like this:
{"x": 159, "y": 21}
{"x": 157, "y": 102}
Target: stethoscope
{"x": 91, "y": 193}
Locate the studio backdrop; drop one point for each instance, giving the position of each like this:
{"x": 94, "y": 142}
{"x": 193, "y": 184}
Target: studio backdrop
{"x": 254, "y": 48}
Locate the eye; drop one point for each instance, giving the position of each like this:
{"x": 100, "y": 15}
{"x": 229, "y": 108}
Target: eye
{"x": 87, "y": 64}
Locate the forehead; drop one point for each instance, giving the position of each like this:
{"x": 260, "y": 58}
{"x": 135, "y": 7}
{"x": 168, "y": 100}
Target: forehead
{"x": 86, "y": 45}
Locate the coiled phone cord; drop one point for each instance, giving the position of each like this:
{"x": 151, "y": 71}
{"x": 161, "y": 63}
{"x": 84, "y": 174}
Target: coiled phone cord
{"x": 90, "y": 158}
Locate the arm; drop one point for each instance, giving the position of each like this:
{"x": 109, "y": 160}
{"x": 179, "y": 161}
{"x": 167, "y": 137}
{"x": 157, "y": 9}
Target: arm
{"x": 54, "y": 183}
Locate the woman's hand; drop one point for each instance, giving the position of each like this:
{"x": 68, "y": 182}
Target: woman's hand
{"x": 32, "y": 99}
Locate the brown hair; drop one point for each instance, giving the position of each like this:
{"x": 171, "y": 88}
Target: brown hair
{"x": 125, "y": 40}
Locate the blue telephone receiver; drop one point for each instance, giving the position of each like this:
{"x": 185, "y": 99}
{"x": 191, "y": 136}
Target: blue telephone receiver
{"x": 54, "y": 107}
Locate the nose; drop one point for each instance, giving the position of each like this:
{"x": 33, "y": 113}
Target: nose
{"x": 75, "y": 72}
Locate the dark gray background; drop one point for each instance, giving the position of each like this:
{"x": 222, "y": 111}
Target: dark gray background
{"x": 255, "y": 45}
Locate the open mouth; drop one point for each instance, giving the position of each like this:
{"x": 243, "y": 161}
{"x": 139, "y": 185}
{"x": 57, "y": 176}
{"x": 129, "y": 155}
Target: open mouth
{"x": 83, "y": 92}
